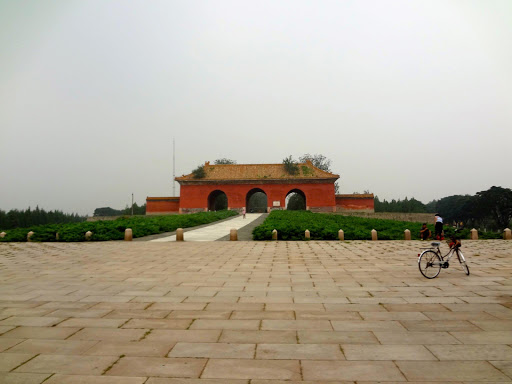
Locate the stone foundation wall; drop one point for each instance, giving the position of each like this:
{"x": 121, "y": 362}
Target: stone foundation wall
{"x": 413, "y": 217}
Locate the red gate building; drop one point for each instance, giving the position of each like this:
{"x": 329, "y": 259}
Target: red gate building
{"x": 239, "y": 182}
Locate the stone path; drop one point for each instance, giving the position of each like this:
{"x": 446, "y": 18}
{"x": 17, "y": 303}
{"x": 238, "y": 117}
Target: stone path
{"x": 215, "y": 231}
{"x": 252, "y": 313}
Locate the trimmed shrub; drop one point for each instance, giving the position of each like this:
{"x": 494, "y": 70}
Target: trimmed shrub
{"x": 114, "y": 230}
{"x": 291, "y": 225}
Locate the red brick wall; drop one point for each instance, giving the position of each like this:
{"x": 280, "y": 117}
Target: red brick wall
{"x": 317, "y": 195}
{"x": 161, "y": 205}
{"x": 355, "y": 202}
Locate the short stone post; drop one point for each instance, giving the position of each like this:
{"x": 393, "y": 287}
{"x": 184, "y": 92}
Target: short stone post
{"x": 2, "y": 234}
{"x": 507, "y": 235}
{"x": 407, "y": 235}
{"x": 307, "y": 234}
{"x": 233, "y": 234}
{"x": 128, "y": 234}
{"x": 274, "y": 234}
{"x": 179, "y": 234}
{"x": 88, "y": 235}
{"x": 374, "y": 235}
{"x": 29, "y": 236}
{"x": 341, "y": 235}
{"x": 473, "y": 234}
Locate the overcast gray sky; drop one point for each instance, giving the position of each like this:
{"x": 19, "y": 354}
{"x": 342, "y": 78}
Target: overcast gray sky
{"x": 407, "y": 98}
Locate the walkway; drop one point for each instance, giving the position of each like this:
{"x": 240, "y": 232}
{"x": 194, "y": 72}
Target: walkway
{"x": 215, "y": 231}
{"x": 258, "y": 312}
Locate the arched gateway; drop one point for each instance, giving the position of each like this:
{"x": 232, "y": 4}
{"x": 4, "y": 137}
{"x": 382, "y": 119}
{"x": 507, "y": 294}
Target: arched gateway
{"x": 257, "y": 187}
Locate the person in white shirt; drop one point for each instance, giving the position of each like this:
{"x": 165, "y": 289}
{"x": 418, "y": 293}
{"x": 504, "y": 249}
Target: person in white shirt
{"x": 439, "y": 227}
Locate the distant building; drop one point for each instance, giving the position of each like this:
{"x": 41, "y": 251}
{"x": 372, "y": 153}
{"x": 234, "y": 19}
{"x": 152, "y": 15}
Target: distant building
{"x": 235, "y": 185}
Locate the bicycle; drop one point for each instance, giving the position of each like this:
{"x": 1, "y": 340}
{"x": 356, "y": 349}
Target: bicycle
{"x": 431, "y": 260}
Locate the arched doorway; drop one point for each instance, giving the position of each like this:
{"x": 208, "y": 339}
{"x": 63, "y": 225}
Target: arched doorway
{"x": 295, "y": 200}
{"x": 217, "y": 201}
{"x": 256, "y": 201}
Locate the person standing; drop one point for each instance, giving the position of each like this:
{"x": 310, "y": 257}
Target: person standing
{"x": 243, "y": 212}
{"x": 439, "y": 227}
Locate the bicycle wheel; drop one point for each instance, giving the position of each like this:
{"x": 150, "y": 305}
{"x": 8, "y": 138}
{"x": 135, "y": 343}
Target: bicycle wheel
{"x": 429, "y": 264}
{"x": 462, "y": 262}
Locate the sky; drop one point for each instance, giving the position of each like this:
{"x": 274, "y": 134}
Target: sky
{"x": 406, "y": 98}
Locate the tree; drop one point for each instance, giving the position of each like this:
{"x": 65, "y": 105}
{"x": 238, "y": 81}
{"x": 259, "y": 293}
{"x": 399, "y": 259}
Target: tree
{"x": 290, "y": 165}
{"x": 458, "y": 208}
{"x": 296, "y": 202}
{"x": 321, "y": 162}
{"x": 224, "y": 161}
{"x": 407, "y": 205}
{"x": 495, "y": 203}
{"x": 199, "y": 172}
{"x": 107, "y": 211}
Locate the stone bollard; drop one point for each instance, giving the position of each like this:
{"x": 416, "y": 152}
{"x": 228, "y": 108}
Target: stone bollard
{"x": 374, "y": 235}
{"x": 473, "y": 234}
{"x": 274, "y": 234}
{"x": 307, "y": 234}
{"x": 407, "y": 235}
{"x": 2, "y": 234}
{"x": 233, "y": 234}
{"x": 29, "y": 236}
{"x": 88, "y": 235}
{"x": 179, "y": 234}
{"x": 128, "y": 234}
{"x": 341, "y": 235}
{"x": 507, "y": 234}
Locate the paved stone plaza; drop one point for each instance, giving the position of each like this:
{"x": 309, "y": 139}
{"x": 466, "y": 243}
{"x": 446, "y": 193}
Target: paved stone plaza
{"x": 252, "y": 312}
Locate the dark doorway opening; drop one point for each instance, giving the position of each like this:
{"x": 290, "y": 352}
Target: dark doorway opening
{"x": 217, "y": 201}
{"x": 256, "y": 201}
{"x": 295, "y": 200}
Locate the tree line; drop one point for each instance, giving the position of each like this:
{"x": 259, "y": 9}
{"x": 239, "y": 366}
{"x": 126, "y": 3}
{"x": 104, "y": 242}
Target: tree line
{"x": 107, "y": 211}
{"x": 29, "y": 217}
{"x": 490, "y": 209}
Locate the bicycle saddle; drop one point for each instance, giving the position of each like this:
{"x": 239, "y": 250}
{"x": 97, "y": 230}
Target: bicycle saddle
{"x": 436, "y": 244}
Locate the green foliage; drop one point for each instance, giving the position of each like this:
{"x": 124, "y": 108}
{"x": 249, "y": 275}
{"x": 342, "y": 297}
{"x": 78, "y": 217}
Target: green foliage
{"x": 257, "y": 202}
{"x": 220, "y": 202}
{"x": 224, "y": 161}
{"x": 319, "y": 161}
{"x": 107, "y": 211}
{"x": 306, "y": 171}
{"x": 30, "y": 217}
{"x": 296, "y": 202}
{"x": 290, "y": 166}
{"x": 407, "y": 205}
{"x": 496, "y": 204}
{"x": 291, "y": 225}
{"x": 114, "y": 229}
{"x": 456, "y": 208}
{"x": 199, "y": 172}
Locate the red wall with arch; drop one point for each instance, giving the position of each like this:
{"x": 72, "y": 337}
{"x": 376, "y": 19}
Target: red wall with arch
{"x": 318, "y": 195}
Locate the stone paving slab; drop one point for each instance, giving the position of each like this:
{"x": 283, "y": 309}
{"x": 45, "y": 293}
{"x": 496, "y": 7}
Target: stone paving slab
{"x": 252, "y": 313}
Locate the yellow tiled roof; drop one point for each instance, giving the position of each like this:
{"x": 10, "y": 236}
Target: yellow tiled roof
{"x": 258, "y": 172}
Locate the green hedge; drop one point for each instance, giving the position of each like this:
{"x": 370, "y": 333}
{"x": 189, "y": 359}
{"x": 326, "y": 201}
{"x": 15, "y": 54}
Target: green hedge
{"x": 290, "y": 225}
{"x": 114, "y": 230}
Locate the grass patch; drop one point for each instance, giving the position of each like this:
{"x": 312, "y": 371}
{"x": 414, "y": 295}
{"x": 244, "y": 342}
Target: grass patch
{"x": 114, "y": 230}
{"x": 291, "y": 225}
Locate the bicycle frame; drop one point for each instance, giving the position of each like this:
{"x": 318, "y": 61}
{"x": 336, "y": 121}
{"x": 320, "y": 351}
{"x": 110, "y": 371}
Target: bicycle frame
{"x": 451, "y": 252}
{"x": 442, "y": 261}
